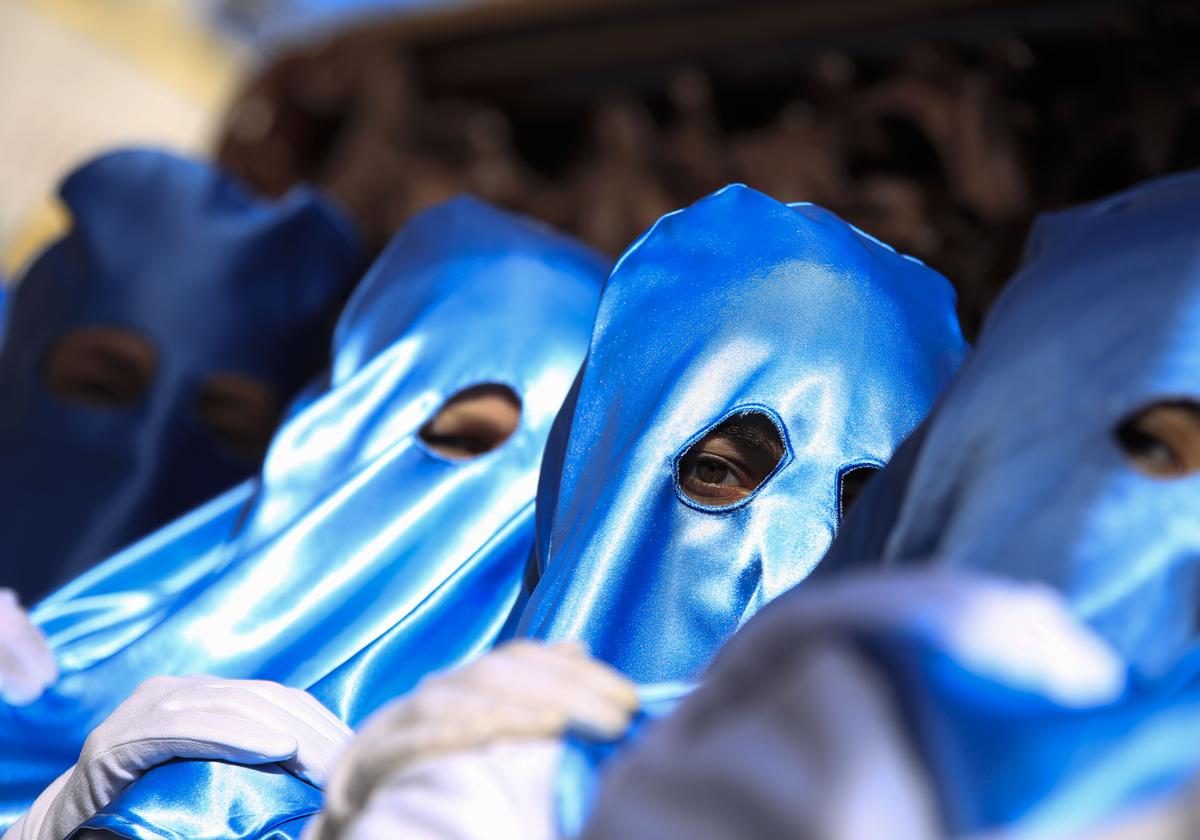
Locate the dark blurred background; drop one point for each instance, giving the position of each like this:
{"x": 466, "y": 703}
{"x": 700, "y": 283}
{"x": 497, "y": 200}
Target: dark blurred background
{"x": 940, "y": 127}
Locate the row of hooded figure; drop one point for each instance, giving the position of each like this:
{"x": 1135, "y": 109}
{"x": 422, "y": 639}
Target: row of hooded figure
{"x": 569, "y": 546}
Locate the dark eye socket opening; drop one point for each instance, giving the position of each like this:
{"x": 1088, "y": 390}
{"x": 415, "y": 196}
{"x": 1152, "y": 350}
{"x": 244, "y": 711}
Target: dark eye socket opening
{"x": 1162, "y": 440}
{"x": 103, "y": 367}
{"x": 851, "y": 485}
{"x": 731, "y": 461}
{"x": 240, "y": 412}
{"x": 473, "y": 422}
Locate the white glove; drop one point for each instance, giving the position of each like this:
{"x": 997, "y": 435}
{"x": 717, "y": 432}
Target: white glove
{"x": 802, "y": 741}
{"x": 505, "y": 791}
{"x": 522, "y": 690}
{"x": 1019, "y": 632}
{"x": 241, "y": 721}
{"x": 27, "y": 667}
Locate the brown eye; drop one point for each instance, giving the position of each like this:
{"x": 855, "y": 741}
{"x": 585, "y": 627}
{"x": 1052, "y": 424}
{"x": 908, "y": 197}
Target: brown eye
{"x": 108, "y": 367}
{"x": 731, "y": 461}
{"x": 852, "y": 484}
{"x": 474, "y": 421}
{"x": 1163, "y": 440}
{"x": 239, "y": 412}
{"x": 710, "y": 470}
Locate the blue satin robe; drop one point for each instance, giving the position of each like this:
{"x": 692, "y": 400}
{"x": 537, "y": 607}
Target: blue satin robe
{"x": 359, "y": 537}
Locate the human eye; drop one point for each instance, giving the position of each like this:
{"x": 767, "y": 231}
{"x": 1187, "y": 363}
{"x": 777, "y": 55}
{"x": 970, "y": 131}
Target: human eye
{"x": 472, "y": 422}
{"x": 731, "y": 461}
{"x": 1163, "y": 439}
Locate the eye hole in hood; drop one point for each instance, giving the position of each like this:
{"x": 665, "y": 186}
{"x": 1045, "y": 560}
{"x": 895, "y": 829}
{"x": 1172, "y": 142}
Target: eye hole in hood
{"x": 851, "y": 484}
{"x": 474, "y": 421}
{"x": 101, "y": 366}
{"x": 1162, "y": 440}
{"x": 732, "y": 460}
{"x": 241, "y": 412}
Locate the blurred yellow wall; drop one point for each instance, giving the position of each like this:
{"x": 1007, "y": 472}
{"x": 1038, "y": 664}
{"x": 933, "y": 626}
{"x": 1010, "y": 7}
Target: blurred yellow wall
{"x": 81, "y": 76}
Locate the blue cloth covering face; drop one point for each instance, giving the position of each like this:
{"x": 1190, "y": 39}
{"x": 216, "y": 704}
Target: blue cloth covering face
{"x": 1019, "y": 472}
{"x": 738, "y": 303}
{"x": 217, "y": 282}
{"x": 366, "y": 559}
{"x": 847, "y": 383}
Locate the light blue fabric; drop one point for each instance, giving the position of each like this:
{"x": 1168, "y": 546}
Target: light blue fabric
{"x": 1020, "y": 472}
{"x": 218, "y": 282}
{"x": 116, "y": 603}
{"x": 1002, "y": 757}
{"x": 578, "y": 778}
{"x": 738, "y": 303}
{"x": 365, "y": 558}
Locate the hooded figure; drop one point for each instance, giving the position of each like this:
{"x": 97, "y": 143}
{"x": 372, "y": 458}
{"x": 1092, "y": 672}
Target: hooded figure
{"x": 1066, "y": 456}
{"x": 1078, "y": 374}
{"x": 362, "y": 531}
{"x": 738, "y": 308}
{"x": 147, "y": 351}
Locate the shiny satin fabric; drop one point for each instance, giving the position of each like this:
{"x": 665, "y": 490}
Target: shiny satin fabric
{"x": 1019, "y": 472}
{"x": 738, "y": 303}
{"x": 218, "y": 282}
{"x": 118, "y": 601}
{"x": 583, "y": 760}
{"x": 1002, "y": 758}
{"x": 362, "y": 537}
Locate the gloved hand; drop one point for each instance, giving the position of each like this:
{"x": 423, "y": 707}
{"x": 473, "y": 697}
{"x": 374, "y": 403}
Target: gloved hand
{"x": 27, "y": 667}
{"x": 241, "y": 721}
{"x": 503, "y": 791}
{"x": 522, "y": 690}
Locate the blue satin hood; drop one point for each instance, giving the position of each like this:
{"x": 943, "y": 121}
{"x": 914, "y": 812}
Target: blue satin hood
{"x": 736, "y": 303}
{"x": 217, "y": 281}
{"x": 366, "y": 559}
{"x": 1018, "y": 472}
